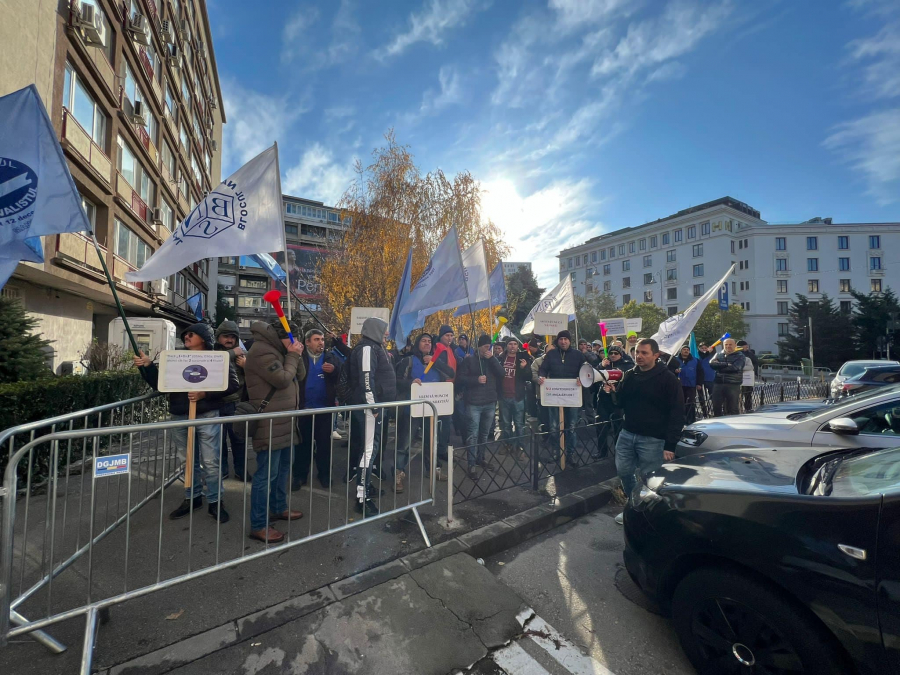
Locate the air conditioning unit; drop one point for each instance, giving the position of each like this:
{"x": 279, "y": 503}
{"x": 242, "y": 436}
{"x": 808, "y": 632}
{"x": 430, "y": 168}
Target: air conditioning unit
{"x": 157, "y": 216}
{"x": 201, "y": 49}
{"x": 160, "y": 287}
{"x": 174, "y": 55}
{"x": 227, "y": 288}
{"x": 139, "y": 113}
{"x": 93, "y": 30}
{"x": 214, "y": 144}
{"x": 139, "y": 28}
{"x": 165, "y": 28}
{"x": 242, "y": 267}
{"x": 212, "y": 103}
{"x": 185, "y": 30}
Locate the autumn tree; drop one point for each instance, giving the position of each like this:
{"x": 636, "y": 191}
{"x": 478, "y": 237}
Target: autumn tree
{"x": 393, "y": 207}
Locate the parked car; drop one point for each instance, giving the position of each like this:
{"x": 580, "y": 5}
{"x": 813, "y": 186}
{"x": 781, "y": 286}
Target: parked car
{"x": 796, "y": 406}
{"x": 774, "y": 560}
{"x": 872, "y": 377}
{"x": 871, "y": 421}
{"x": 853, "y": 368}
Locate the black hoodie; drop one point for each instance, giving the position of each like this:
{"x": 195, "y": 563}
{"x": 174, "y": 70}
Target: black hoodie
{"x": 653, "y": 403}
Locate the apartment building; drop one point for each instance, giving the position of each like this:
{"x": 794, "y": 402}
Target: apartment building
{"x": 672, "y": 261}
{"x": 513, "y": 267}
{"x": 310, "y": 229}
{"x": 132, "y": 90}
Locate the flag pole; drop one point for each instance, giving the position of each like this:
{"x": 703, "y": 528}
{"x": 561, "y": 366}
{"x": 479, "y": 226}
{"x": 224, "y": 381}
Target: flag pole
{"x": 468, "y": 301}
{"x": 287, "y": 273}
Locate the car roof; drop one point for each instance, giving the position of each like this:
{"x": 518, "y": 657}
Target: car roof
{"x": 883, "y": 394}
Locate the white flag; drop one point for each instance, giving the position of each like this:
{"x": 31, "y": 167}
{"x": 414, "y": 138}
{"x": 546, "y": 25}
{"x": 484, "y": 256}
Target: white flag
{"x": 561, "y": 300}
{"x": 242, "y": 216}
{"x": 476, "y": 290}
{"x": 674, "y": 331}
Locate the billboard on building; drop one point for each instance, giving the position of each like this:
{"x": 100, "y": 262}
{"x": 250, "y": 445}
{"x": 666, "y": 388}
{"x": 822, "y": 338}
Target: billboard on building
{"x": 302, "y": 269}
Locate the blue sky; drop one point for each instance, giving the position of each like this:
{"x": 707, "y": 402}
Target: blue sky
{"x": 579, "y": 116}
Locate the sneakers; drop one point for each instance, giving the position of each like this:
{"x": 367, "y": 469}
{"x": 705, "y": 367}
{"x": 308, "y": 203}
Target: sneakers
{"x": 620, "y": 519}
{"x": 217, "y": 511}
{"x": 336, "y": 435}
{"x": 398, "y": 482}
{"x": 367, "y": 508}
{"x": 441, "y": 475}
{"x": 185, "y": 508}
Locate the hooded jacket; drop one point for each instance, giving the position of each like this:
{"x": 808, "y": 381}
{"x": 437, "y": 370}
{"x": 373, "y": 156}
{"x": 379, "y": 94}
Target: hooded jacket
{"x": 269, "y": 364}
{"x": 729, "y": 368}
{"x": 691, "y": 374}
{"x": 653, "y": 403}
{"x": 372, "y": 378}
{"x": 412, "y": 366}
{"x": 212, "y": 400}
{"x": 231, "y": 328}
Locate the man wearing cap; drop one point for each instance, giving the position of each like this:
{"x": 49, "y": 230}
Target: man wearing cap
{"x": 563, "y": 363}
{"x": 462, "y": 348}
{"x": 480, "y": 375}
{"x": 631, "y": 339}
{"x": 517, "y": 372}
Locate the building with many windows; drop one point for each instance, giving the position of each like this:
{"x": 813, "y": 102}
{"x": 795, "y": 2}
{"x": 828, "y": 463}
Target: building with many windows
{"x": 133, "y": 93}
{"x": 310, "y": 229}
{"x": 671, "y": 261}
{"x": 513, "y": 267}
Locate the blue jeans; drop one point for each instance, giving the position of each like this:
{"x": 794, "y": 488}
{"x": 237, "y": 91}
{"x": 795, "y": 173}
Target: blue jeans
{"x": 238, "y": 445}
{"x": 207, "y": 446}
{"x": 480, "y": 418}
{"x": 269, "y": 490}
{"x": 570, "y": 417}
{"x": 634, "y": 452}
{"x": 512, "y": 412}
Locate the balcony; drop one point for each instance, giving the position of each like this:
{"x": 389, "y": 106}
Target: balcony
{"x": 80, "y": 141}
{"x": 131, "y": 197}
{"x": 119, "y": 267}
{"x": 79, "y": 249}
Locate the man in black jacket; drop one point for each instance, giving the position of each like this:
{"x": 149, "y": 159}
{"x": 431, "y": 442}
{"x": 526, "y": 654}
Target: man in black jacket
{"x": 316, "y": 391}
{"x": 208, "y": 445}
{"x": 729, "y": 368}
{"x": 372, "y": 380}
{"x": 480, "y": 375}
{"x": 651, "y": 398}
{"x": 516, "y": 373}
{"x": 563, "y": 363}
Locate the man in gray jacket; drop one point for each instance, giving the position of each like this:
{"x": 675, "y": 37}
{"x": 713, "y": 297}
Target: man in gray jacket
{"x": 729, "y": 368}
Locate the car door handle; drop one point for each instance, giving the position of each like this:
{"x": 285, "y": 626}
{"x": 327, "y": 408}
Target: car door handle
{"x": 853, "y": 551}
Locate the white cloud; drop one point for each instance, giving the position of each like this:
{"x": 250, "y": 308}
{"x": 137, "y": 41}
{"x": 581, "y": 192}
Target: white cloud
{"x": 673, "y": 70}
{"x": 301, "y": 43}
{"x": 871, "y": 145}
{"x": 573, "y": 14}
{"x": 881, "y": 53}
{"x": 255, "y": 121}
{"x": 293, "y": 40}
{"x": 318, "y": 176}
{"x": 430, "y": 24}
{"x": 450, "y": 92}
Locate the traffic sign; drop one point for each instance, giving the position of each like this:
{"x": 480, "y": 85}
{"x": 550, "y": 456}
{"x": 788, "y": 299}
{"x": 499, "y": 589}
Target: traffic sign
{"x": 723, "y": 296}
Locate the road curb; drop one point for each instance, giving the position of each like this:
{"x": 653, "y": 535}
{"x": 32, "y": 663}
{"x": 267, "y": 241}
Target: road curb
{"x": 482, "y": 542}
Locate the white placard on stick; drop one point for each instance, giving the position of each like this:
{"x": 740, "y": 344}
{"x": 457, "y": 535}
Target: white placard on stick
{"x": 358, "y": 316}
{"x": 620, "y": 326}
{"x": 562, "y": 393}
{"x": 190, "y": 370}
{"x": 439, "y": 393}
{"x": 547, "y": 323}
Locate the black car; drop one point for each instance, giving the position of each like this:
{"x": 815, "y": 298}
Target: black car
{"x": 873, "y": 377}
{"x": 779, "y": 560}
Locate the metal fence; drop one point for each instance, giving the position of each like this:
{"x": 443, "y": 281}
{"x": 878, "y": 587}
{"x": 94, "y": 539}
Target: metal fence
{"x": 75, "y": 525}
{"x": 769, "y": 392}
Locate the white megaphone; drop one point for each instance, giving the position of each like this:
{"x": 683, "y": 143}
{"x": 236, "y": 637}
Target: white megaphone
{"x": 588, "y": 375}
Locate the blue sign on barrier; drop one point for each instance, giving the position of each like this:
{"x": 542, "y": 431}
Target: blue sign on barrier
{"x": 111, "y": 465}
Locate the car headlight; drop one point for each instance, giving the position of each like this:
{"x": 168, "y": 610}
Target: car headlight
{"x": 693, "y": 437}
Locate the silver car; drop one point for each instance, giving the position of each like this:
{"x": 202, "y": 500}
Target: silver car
{"x": 871, "y": 421}
{"x": 852, "y": 369}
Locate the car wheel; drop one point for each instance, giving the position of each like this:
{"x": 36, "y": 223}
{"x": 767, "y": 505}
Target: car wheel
{"x": 729, "y": 623}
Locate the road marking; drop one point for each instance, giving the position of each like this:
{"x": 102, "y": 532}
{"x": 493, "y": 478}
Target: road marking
{"x": 513, "y": 659}
{"x": 563, "y": 650}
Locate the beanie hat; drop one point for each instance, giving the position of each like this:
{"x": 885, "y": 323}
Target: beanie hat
{"x": 463, "y": 336}
{"x": 564, "y": 334}
{"x": 483, "y": 340}
{"x": 741, "y": 343}
{"x": 630, "y": 333}
{"x": 444, "y": 330}
{"x": 597, "y": 343}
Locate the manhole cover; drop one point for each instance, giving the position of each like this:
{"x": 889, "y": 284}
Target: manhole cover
{"x": 631, "y": 591}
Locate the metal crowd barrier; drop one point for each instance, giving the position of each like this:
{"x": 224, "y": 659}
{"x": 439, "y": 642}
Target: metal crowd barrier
{"x": 77, "y": 528}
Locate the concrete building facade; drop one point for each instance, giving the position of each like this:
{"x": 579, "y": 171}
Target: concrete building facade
{"x": 132, "y": 89}
{"x": 513, "y": 267}
{"x": 671, "y": 261}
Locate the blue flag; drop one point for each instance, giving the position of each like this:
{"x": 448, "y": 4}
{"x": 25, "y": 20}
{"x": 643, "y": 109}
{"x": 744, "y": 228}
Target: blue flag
{"x": 497, "y": 283}
{"x": 692, "y": 344}
{"x": 195, "y": 302}
{"x": 395, "y": 329}
{"x": 37, "y": 193}
{"x": 29, "y": 250}
{"x": 269, "y": 266}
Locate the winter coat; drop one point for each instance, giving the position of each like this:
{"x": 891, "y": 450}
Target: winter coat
{"x": 231, "y": 328}
{"x": 523, "y": 375}
{"x": 330, "y": 378}
{"x": 729, "y": 368}
{"x": 653, "y": 403}
{"x": 469, "y": 372}
{"x": 413, "y": 366}
{"x": 708, "y": 373}
{"x": 372, "y": 378}
{"x": 562, "y": 365}
{"x": 748, "y": 379}
{"x": 269, "y": 364}
{"x": 212, "y": 400}
{"x": 691, "y": 374}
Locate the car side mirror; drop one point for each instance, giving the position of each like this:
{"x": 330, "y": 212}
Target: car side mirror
{"x": 844, "y": 426}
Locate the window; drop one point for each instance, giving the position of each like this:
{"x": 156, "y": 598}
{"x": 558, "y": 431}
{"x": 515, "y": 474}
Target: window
{"x": 78, "y": 101}
{"x": 168, "y": 159}
{"x": 653, "y": 241}
{"x": 671, "y": 294}
{"x": 186, "y": 93}
{"x": 648, "y": 261}
{"x": 844, "y": 264}
{"x": 875, "y": 262}
{"x": 845, "y": 286}
{"x": 875, "y": 285}
{"x": 782, "y": 308}
{"x": 198, "y": 128}
{"x": 630, "y": 247}
{"x": 577, "y": 261}
{"x": 572, "y": 275}
{"x": 843, "y": 243}
{"x": 648, "y": 278}
{"x": 602, "y": 254}
{"x": 672, "y": 311}
{"x": 670, "y": 256}
{"x": 134, "y": 172}
{"x": 612, "y": 252}
{"x": 874, "y": 241}
{"x": 168, "y": 214}
{"x": 812, "y": 264}
{"x": 704, "y": 229}
{"x": 195, "y": 167}
{"x": 648, "y": 296}
{"x": 677, "y": 236}
{"x": 692, "y": 232}
{"x": 783, "y": 330}
{"x": 570, "y": 263}
{"x": 733, "y": 288}
{"x": 672, "y": 275}
{"x": 606, "y": 270}
{"x": 698, "y": 290}
{"x": 290, "y": 229}
{"x": 732, "y": 245}
{"x": 698, "y": 270}
{"x": 254, "y": 283}
{"x": 665, "y": 239}
{"x": 626, "y": 282}
{"x": 607, "y": 286}
{"x": 626, "y": 299}
{"x": 183, "y": 135}
{"x": 741, "y": 265}
{"x": 250, "y": 301}
{"x": 740, "y": 244}
{"x": 588, "y": 272}
{"x": 626, "y": 265}
{"x": 98, "y": 10}
{"x": 781, "y": 265}
{"x": 697, "y": 250}
{"x": 642, "y": 244}
{"x": 584, "y": 259}
{"x": 846, "y": 306}
{"x": 170, "y": 102}
{"x": 129, "y": 246}
{"x": 781, "y": 286}
{"x": 813, "y": 285}
{"x": 90, "y": 210}
{"x": 621, "y": 249}
{"x": 781, "y": 243}
{"x": 228, "y": 260}
{"x": 812, "y": 243}
{"x": 593, "y": 256}
{"x": 588, "y": 288}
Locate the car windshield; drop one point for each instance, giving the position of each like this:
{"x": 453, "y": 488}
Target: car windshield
{"x": 851, "y": 369}
{"x": 846, "y": 403}
{"x": 867, "y": 474}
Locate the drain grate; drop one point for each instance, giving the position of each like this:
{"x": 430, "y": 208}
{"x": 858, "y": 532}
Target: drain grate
{"x": 626, "y": 586}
